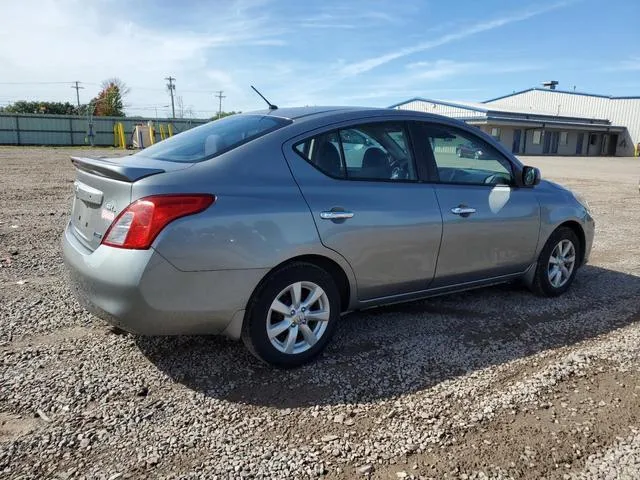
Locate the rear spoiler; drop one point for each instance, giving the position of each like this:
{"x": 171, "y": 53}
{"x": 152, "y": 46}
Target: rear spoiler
{"x": 114, "y": 168}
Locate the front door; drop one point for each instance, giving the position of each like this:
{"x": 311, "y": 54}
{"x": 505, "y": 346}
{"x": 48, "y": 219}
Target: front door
{"x": 515, "y": 148}
{"x": 579, "y": 144}
{"x": 546, "y": 147}
{"x": 613, "y": 143}
{"x": 490, "y": 226}
{"x": 555, "y": 140}
{"x": 605, "y": 144}
{"x": 361, "y": 185}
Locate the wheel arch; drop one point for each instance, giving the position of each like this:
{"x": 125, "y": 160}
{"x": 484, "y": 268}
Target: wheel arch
{"x": 329, "y": 265}
{"x": 577, "y": 229}
{"x": 574, "y": 226}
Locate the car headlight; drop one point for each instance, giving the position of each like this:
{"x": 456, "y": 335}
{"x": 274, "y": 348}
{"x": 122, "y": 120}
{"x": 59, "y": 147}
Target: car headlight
{"x": 582, "y": 201}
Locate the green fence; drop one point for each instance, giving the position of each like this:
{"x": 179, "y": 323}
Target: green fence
{"x": 69, "y": 130}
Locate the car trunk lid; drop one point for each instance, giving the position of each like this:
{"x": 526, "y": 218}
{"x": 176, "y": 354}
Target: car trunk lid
{"x": 102, "y": 189}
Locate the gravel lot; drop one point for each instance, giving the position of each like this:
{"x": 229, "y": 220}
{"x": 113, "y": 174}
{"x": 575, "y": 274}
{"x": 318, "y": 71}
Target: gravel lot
{"x": 493, "y": 383}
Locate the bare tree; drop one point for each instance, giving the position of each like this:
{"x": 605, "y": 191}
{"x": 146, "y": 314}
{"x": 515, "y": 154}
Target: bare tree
{"x": 122, "y": 87}
{"x": 180, "y": 107}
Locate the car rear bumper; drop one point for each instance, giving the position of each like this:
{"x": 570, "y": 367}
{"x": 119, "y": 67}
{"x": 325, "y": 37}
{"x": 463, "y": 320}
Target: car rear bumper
{"x": 141, "y": 292}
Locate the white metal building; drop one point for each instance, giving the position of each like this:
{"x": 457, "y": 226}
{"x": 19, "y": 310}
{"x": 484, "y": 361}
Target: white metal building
{"x": 541, "y": 121}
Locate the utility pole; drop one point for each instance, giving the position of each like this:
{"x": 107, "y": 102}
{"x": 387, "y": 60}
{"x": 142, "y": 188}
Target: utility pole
{"x": 77, "y": 87}
{"x": 220, "y": 97}
{"x": 172, "y": 89}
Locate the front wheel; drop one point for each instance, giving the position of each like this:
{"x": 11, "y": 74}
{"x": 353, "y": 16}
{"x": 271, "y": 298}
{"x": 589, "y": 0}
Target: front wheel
{"x": 291, "y": 317}
{"x": 557, "y": 264}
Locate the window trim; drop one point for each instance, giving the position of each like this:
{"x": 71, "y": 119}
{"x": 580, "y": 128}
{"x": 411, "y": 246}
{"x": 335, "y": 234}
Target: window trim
{"x": 432, "y": 167}
{"x": 407, "y": 130}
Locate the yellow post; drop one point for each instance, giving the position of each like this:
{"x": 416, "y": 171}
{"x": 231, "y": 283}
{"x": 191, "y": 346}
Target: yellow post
{"x": 118, "y": 136}
{"x": 152, "y": 134}
{"x": 123, "y": 141}
{"x": 170, "y": 129}
{"x": 162, "y": 134}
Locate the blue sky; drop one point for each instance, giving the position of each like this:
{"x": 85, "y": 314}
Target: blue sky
{"x": 357, "y": 52}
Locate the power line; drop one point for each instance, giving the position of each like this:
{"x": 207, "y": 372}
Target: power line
{"x": 220, "y": 97}
{"x": 171, "y": 88}
{"x": 77, "y": 87}
{"x": 35, "y": 83}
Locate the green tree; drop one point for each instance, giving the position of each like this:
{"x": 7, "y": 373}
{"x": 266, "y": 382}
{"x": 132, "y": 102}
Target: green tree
{"x": 223, "y": 114}
{"x": 49, "y": 108}
{"x": 109, "y": 102}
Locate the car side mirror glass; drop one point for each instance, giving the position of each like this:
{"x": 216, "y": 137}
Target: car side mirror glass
{"x": 530, "y": 176}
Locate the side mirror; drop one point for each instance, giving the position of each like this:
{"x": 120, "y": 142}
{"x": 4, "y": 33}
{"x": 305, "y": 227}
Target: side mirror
{"x": 530, "y": 176}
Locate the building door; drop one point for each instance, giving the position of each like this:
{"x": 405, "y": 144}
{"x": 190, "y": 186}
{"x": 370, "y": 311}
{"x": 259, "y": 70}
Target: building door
{"x": 613, "y": 142}
{"x": 579, "y": 144}
{"x": 605, "y": 144}
{"x": 555, "y": 140}
{"x": 515, "y": 148}
{"x": 546, "y": 147}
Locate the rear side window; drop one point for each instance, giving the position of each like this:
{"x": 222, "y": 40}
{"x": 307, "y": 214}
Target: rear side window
{"x": 376, "y": 152}
{"x": 213, "y": 138}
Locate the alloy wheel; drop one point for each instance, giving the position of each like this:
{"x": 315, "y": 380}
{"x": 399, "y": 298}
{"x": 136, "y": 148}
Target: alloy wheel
{"x": 298, "y": 317}
{"x": 561, "y": 263}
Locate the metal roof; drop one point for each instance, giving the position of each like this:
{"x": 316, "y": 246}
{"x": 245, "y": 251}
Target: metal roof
{"x": 500, "y": 110}
{"x": 570, "y": 92}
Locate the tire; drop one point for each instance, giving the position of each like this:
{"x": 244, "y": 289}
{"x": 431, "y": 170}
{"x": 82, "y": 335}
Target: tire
{"x": 279, "y": 349}
{"x": 545, "y": 282}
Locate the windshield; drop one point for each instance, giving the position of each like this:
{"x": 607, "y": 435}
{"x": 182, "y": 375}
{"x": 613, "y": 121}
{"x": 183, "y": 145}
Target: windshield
{"x": 213, "y": 138}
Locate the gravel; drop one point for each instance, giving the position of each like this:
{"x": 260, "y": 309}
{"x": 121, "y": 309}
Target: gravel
{"x": 494, "y": 383}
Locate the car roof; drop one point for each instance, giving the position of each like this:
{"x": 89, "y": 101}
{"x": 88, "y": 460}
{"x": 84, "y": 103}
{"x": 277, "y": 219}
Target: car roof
{"x": 295, "y": 113}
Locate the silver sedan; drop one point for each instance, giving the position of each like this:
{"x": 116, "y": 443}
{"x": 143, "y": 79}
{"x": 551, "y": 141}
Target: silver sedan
{"x": 267, "y": 226}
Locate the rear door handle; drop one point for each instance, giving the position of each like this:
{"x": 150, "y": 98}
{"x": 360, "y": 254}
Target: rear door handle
{"x": 463, "y": 210}
{"x": 332, "y": 215}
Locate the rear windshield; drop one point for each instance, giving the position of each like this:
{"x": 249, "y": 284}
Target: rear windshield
{"x": 213, "y": 138}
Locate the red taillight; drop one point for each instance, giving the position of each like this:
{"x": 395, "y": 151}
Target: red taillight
{"x": 140, "y": 223}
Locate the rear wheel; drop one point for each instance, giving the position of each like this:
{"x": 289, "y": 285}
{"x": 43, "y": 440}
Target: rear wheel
{"x": 292, "y": 315}
{"x": 557, "y": 264}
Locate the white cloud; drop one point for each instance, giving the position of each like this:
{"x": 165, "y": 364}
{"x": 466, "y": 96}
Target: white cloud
{"x": 90, "y": 41}
{"x": 632, "y": 64}
{"x": 460, "y": 33}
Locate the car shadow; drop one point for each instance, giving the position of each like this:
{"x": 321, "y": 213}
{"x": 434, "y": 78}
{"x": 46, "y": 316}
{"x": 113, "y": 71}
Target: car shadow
{"x": 384, "y": 352}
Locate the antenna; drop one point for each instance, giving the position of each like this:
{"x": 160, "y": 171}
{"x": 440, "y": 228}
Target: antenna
{"x": 271, "y": 105}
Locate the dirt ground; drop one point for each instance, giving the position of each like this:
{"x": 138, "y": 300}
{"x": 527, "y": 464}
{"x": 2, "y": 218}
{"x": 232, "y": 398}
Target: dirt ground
{"x": 494, "y": 383}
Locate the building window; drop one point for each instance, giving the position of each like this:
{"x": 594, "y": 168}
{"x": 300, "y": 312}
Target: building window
{"x": 564, "y": 138}
{"x": 537, "y": 137}
{"x": 593, "y": 139}
{"x": 495, "y": 132}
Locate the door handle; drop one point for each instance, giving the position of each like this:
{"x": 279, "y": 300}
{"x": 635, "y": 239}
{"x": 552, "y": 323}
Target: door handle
{"x": 463, "y": 210}
{"x": 331, "y": 215}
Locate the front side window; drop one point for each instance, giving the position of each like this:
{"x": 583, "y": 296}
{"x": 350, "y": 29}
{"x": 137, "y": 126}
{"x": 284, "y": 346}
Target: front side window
{"x": 378, "y": 151}
{"x": 213, "y": 138}
{"x": 462, "y": 158}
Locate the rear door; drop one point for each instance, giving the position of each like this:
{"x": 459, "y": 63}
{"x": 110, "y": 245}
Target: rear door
{"x": 490, "y": 226}
{"x": 361, "y": 185}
